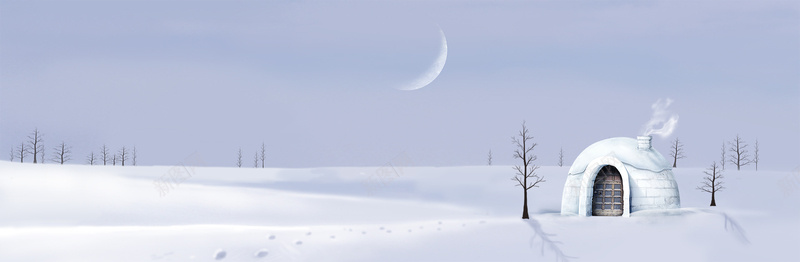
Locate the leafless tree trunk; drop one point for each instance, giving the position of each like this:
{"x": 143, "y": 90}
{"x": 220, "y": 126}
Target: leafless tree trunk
{"x": 63, "y": 153}
{"x": 114, "y": 160}
{"x": 124, "y": 155}
{"x": 23, "y": 151}
{"x": 676, "y": 151}
{"x": 42, "y": 158}
{"x": 91, "y": 158}
{"x": 239, "y": 159}
{"x": 739, "y": 156}
{"x": 561, "y": 157}
{"x": 104, "y": 154}
{"x": 755, "y": 154}
{"x": 35, "y": 143}
{"x": 255, "y": 160}
{"x": 524, "y": 152}
{"x": 722, "y": 159}
{"x": 712, "y": 182}
{"x": 489, "y": 158}
{"x": 134, "y": 156}
{"x": 12, "y": 155}
{"x": 263, "y": 154}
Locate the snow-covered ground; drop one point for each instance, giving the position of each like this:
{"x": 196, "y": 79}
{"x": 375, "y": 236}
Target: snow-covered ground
{"x": 391, "y": 213}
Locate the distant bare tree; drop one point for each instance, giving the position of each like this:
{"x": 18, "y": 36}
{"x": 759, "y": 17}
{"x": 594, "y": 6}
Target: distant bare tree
{"x": 739, "y": 153}
{"x": 255, "y": 160}
{"x": 35, "y": 143}
{"x": 239, "y": 159}
{"x": 42, "y": 158}
{"x": 114, "y": 160}
{"x": 755, "y": 154}
{"x": 722, "y": 159}
{"x": 91, "y": 158}
{"x": 524, "y": 152}
{"x": 561, "y": 157}
{"x": 489, "y": 158}
{"x": 22, "y": 151}
{"x": 123, "y": 155}
{"x": 676, "y": 151}
{"x": 263, "y": 154}
{"x": 134, "y": 155}
{"x": 63, "y": 153}
{"x": 712, "y": 182}
{"x": 104, "y": 153}
{"x": 12, "y": 155}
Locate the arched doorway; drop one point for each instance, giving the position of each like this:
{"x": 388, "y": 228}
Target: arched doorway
{"x": 608, "y": 193}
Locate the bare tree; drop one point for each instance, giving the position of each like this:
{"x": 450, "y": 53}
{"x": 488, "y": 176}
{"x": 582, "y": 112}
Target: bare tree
{"x": 114, "y": 160}
{"x": 712, "y": 182}
{"x": 527, "y": 171}
{"x": 739, "y": 154}
{"x": 755, "y": 154}
{"x": 489, "y": 158}
{"x": 263, "y": 154}
{"x": 676, "y": 151}
{"x": 561, "y": 157}
{"x": 722, "y": 159}
{"x": 134, "y": 155}
{"x": 42, "y": 158}
{"x": 12, "y": 155}
{"x": 104, "y": 153}
{"x": 124, "y": 155}
{"x": 239, "y": 159}
{"x": 35, "y": 143}
{"x": 63, "y": 153}
{"x": 91, "y": 158}
{"x": 22, "y": 151}
{"x": 255, "y": 160}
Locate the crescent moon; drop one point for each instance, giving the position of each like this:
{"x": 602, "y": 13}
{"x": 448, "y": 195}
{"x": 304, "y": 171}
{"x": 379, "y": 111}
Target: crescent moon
{"x": 433, "y": 71}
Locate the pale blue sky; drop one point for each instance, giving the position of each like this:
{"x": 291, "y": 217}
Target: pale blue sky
{"x": 314, "y": 80}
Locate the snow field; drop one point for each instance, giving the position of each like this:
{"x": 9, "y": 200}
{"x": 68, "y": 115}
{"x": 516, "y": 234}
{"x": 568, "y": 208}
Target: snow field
{"x": 82, "y": 213}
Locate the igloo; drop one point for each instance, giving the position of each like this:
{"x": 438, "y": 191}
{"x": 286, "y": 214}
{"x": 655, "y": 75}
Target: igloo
{"x": 618, "y": 176}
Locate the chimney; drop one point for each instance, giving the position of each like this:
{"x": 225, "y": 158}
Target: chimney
{"x": 644, "y": 142}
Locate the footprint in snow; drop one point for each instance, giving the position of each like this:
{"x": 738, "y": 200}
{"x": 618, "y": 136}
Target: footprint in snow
{"x": 308, "y": 234}
{"x": 271, "y": 237}
{"x": 220, "y": 254}
{"x": 261, "y": 253}
{"x": 333, "y": 237}
{"x": 298, "y": 242}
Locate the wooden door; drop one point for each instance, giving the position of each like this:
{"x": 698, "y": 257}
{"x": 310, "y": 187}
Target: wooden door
{"x": 607, "y": 199}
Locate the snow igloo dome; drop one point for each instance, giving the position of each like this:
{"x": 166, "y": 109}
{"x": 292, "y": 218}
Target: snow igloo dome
{"x": 618, "y": 176}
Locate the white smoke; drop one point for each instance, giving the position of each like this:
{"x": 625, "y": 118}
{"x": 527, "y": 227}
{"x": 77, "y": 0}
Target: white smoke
{"x": 661, "y": 116}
